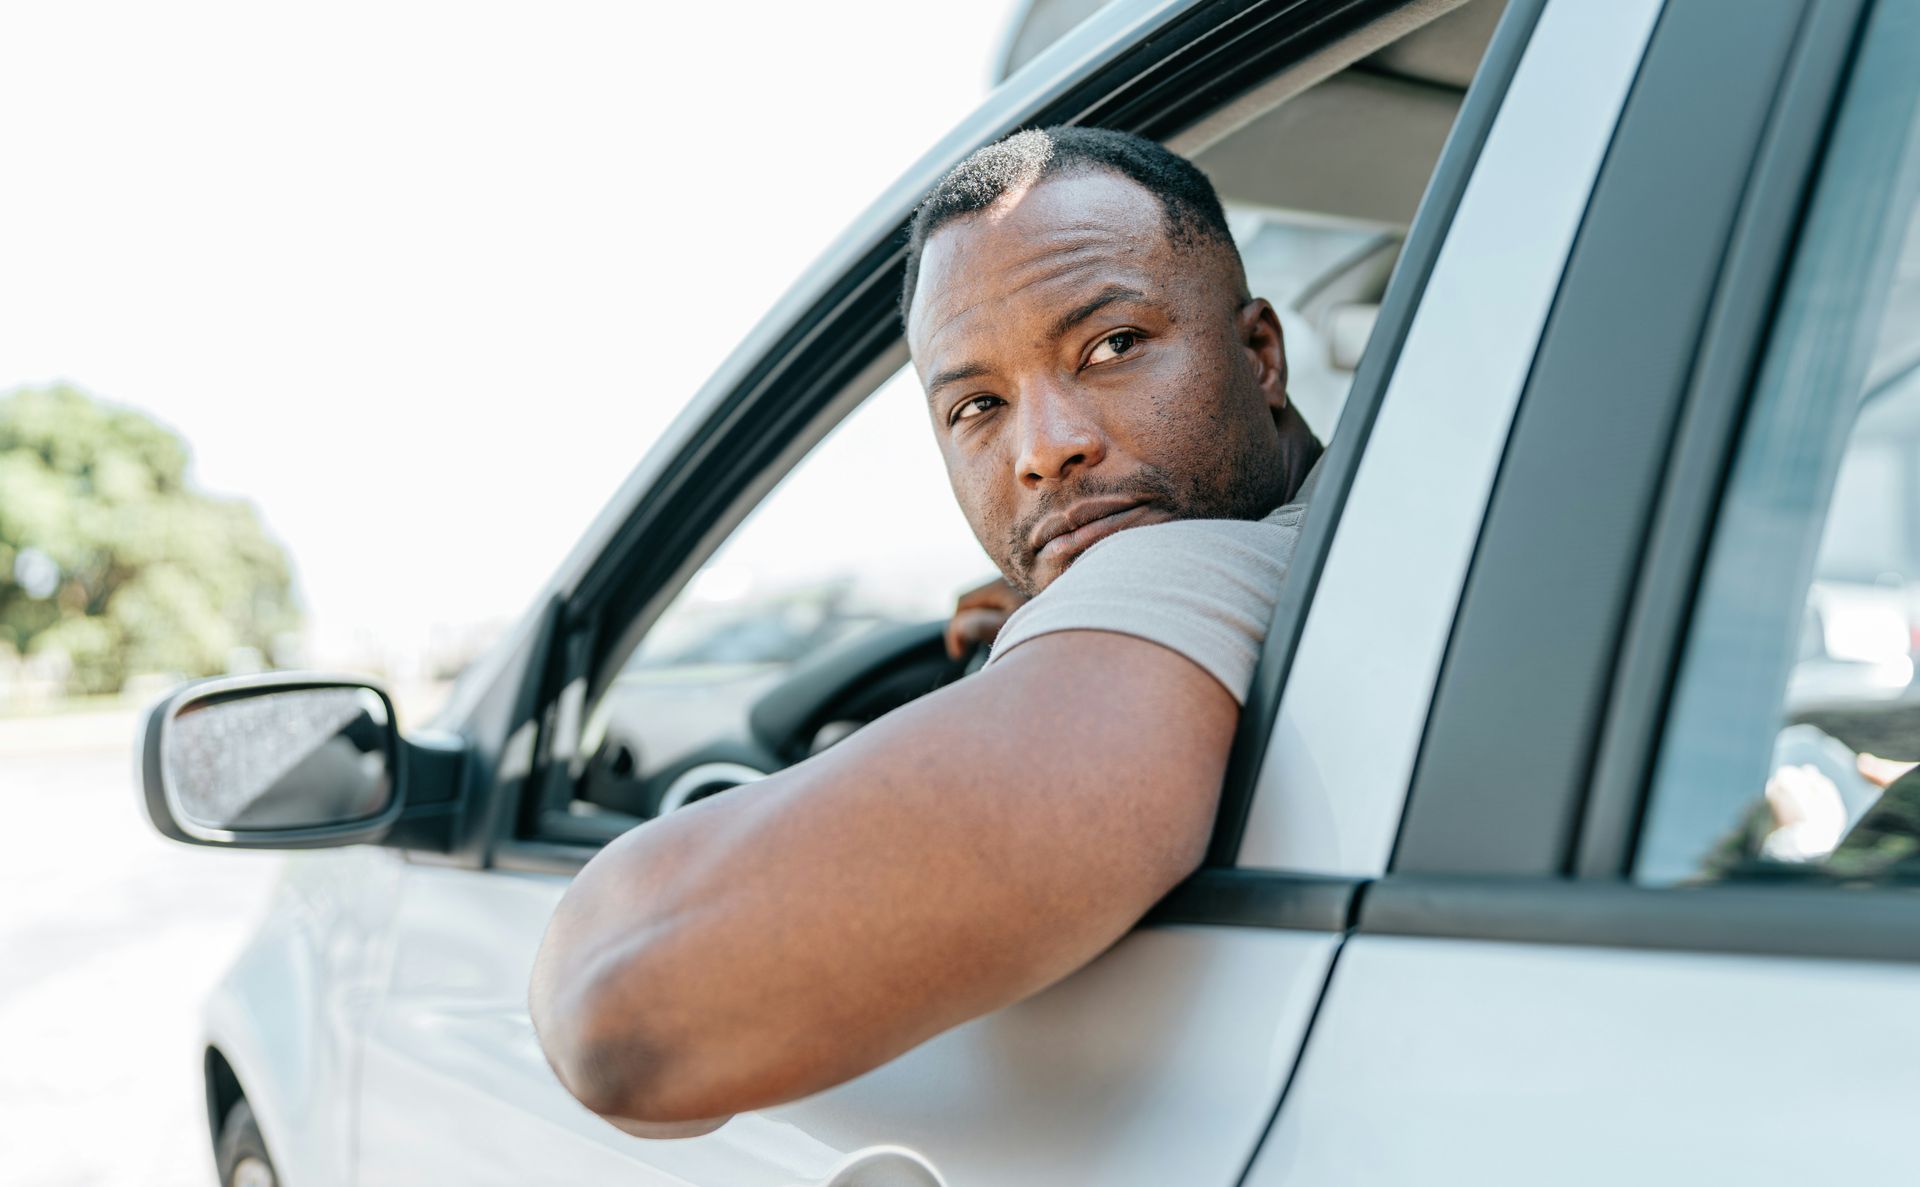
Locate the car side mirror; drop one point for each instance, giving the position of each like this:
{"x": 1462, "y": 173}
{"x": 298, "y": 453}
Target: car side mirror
{"x": 284, "y": 761}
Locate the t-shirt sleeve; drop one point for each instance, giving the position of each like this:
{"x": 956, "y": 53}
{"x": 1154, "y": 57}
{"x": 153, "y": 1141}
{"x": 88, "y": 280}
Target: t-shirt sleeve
{"x": 1203, "y": 588}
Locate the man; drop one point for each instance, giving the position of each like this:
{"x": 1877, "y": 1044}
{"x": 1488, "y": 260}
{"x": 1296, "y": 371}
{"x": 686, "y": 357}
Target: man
{"x": 1112, "y": 407}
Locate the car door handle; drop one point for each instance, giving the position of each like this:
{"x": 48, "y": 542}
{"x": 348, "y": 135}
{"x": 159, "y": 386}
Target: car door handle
{"x": 881, "y": 1166}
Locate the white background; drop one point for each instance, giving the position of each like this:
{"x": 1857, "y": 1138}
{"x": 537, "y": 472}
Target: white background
{"x": 422, "y": 281}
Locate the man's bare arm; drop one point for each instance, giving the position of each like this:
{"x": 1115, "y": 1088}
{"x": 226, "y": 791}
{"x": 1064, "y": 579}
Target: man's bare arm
{"x": 952, "y": 858}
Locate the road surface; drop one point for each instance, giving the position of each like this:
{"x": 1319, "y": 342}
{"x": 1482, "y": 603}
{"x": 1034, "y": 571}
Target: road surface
{"x": 109, "y": 939}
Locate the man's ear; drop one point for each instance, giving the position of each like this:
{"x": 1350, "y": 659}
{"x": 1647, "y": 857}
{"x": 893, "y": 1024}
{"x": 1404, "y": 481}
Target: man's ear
{"x": 1266, "y": 346}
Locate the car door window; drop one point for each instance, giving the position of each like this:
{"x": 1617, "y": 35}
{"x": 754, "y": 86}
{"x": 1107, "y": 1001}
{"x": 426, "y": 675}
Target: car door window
{"x": 1795, "y": 726}
{"x": 862, "y": 536}
{"x": 863, "y": 542}
{"x": 857, "y": 555}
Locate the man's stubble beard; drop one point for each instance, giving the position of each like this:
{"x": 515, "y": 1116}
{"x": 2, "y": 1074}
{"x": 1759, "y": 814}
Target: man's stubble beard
{"x": 1256, "y": 483}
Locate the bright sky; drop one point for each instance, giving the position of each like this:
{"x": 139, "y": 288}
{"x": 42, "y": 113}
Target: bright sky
{"x": 423, "y": 280}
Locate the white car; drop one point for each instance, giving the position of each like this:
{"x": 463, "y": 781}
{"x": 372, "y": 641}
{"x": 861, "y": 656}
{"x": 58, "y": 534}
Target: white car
{"x": 1495, "y": 895}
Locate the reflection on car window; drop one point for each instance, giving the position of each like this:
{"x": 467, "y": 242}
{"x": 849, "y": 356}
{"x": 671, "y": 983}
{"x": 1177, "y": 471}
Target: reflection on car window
{"x": 1795, "y": 732}
{"x": 1836, "y": 791}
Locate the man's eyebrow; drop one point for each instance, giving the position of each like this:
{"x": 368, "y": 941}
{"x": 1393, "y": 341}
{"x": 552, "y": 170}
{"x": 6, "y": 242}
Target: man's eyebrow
{"x": 1065, "y": 322}
{"x": 964, "y": 371}
{"x": 1099, "y": 301}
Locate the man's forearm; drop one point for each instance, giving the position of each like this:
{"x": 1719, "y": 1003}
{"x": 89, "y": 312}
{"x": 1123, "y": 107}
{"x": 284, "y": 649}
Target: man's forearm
{"x": 785, "y": 937}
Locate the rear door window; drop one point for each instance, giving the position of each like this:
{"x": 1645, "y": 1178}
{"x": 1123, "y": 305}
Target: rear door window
{"x": 1792, "y": 740}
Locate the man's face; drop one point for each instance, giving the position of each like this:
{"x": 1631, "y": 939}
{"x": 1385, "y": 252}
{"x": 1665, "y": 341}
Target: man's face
{"x": 1087, "y": 374}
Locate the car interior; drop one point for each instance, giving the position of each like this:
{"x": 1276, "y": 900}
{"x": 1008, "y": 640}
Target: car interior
{"x": 1321, "y": 169}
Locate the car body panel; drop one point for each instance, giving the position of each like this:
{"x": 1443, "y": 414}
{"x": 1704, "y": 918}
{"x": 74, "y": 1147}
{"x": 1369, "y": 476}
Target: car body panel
{"x": 1158, "y": 1063}
{"x": 1451, "y": 1061}
{"x": 291, "y": 1015}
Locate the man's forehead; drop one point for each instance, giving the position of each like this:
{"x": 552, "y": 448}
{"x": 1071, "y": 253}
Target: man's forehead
{"x": 999, "y": 292}
{"x": 1072, "y": 232}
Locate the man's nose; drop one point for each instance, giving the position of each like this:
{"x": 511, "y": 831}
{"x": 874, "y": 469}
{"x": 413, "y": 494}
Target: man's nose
{"x": 1058, "y": 433}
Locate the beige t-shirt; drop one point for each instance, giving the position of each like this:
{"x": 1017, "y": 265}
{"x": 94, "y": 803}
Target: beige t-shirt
{"x": 1205, "y": 588}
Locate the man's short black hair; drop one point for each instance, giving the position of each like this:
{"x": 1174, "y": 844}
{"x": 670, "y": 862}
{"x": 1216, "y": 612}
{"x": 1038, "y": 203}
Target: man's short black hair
{"x": 1024, "y": 158}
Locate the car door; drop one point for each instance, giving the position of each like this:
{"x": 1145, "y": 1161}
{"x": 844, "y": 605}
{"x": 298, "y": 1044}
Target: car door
{"x": 1650, "y": 917}
{"x": 1162, "y": 1061}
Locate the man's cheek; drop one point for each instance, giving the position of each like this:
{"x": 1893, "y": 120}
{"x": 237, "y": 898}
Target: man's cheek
{"x": 984, "y": 518}
{"x": 969, "y": 492}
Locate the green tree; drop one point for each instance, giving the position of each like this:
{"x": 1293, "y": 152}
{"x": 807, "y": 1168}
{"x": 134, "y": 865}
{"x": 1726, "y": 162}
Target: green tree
{"x": 109, "y": 557}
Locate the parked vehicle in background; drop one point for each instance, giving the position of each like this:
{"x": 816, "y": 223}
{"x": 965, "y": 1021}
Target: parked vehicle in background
{"x": 1516, "y": 852}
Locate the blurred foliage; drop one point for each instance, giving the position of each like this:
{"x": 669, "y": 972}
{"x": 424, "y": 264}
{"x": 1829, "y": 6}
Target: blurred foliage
{"x": 152, "y": 576}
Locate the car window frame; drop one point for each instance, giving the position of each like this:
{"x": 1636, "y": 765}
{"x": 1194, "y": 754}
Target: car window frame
{"x": 1501, "y": 777}
{"x": 1201, "y": 56}
{"x": 1582, "y": 896}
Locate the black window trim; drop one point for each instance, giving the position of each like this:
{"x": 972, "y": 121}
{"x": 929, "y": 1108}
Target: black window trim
{"x": 1736, "y": 919}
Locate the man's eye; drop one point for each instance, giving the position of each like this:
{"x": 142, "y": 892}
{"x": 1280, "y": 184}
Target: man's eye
{"x": 1113, "y": 346}
{"x": 973, "y": 406}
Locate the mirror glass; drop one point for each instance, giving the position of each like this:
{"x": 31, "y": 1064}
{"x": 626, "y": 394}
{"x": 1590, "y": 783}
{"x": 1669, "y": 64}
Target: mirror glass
{"x": 281, "y": 758}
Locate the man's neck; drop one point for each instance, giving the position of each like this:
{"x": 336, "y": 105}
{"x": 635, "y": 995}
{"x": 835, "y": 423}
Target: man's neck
{"x": 1299, "y": 450}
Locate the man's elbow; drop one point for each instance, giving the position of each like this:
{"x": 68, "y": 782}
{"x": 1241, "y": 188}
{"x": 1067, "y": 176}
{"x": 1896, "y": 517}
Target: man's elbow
{"x": 612, "y": 1061}
{"x": 639, "y": 1088}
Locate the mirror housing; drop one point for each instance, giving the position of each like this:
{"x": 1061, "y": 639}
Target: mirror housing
{"x": 294, "y": 761}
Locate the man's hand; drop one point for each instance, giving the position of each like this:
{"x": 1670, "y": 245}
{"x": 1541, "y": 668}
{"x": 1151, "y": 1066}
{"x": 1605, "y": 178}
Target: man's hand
{"x": 955, "y": 856}
{"x": 1881, "y": 772}
{"x": 980, "y": 614}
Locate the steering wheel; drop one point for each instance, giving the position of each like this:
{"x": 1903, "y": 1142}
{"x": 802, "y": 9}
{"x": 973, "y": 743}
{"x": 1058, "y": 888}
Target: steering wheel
{"x": 819, "y": 701}
{"x": 851, "y": 685}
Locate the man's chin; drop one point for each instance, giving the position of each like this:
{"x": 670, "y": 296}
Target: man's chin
{"x": 1064, "y": 550}
{"x": 1058, "y": 555}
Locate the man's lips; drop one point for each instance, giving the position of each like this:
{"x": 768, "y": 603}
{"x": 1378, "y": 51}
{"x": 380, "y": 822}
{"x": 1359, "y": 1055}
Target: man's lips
{"x": 1068, "y": 533}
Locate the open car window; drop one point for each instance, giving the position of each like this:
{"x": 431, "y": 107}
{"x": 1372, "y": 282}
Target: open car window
{"x": 1792, "y": 743}
{"x": 823, "y": 608}
{"x": 862, "y": 538}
